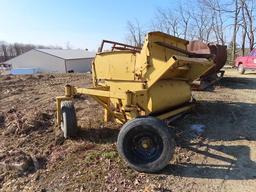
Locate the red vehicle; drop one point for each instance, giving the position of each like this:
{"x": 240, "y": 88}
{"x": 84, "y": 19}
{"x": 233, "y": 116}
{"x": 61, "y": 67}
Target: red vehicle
{"x": 246, "y": 62}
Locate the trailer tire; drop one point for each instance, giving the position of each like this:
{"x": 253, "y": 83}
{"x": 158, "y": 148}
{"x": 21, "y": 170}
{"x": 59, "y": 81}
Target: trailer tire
{"x": 241, "y": 69}
{"x": 145, "y": 144}
{"x": 69, "y": 122}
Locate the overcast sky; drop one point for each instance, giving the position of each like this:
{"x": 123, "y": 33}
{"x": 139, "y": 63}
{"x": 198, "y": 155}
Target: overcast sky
{"x": 82, "y": 23}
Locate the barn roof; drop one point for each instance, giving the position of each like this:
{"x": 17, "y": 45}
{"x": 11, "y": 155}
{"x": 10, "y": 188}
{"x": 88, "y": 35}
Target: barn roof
{"x": 68, "y": 53}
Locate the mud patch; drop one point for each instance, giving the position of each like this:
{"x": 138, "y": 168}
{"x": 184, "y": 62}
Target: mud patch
{"x": 17, "y": 122}
{"x": 2, "y": 120}
{"x": 16, "y": 160}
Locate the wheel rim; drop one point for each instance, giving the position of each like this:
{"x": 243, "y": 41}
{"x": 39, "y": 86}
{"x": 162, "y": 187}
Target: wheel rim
{"x": 143, "y": 145}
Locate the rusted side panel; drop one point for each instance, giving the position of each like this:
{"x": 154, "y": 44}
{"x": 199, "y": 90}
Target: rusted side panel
{"x": 219, "y": 51}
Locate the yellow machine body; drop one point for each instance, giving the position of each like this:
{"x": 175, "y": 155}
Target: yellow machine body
{"x": 153, "y": 81}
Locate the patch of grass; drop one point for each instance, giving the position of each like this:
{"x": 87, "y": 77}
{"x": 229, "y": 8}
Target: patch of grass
{"x": 96, "y": 155}
{"x": 92, "y": 156}
{"x": 109, "y": 154}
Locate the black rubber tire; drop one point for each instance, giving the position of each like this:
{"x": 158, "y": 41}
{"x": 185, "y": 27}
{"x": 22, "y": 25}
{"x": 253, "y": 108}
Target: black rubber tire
{"x": 69, "y": 122}
{"x": 161, "y": 140}
{"x": 241, "y": 69}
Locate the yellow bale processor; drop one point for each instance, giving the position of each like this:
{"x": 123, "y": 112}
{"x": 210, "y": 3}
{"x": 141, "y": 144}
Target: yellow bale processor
{"x": 139, "y": 88}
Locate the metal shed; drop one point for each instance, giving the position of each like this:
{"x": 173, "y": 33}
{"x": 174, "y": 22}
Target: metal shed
{"x": 54, "y": 60}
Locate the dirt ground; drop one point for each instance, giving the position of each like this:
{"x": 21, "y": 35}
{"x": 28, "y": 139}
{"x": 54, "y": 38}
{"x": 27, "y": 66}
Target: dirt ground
{"x": 33, "y": 158}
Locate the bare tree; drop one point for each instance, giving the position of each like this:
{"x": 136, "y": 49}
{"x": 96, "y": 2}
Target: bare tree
{"x": 202, "y": 23}
{"x": 4, "y": 51}
{"x": 214, "y": 9}
{"x": 135, "y": 33}
{"x": 235, "y": 30}
{"x": 17, "y": 48}
{"x": 8, "y": 51}
{"x": 244, "y": 26}
{"x": 247, "y": 24}
{"x": 249, "y": 7}
{"x": 185, "y": 20}
{"x": 11, "y": 51}
{"x": 168, "y": 21}
{"x": 225, "y": 10}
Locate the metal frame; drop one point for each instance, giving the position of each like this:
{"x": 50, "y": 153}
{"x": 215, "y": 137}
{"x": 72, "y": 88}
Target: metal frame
{"x": 119, "y": 46}
{"x": 102, "y": 96}
{"x": 152, "y": 81}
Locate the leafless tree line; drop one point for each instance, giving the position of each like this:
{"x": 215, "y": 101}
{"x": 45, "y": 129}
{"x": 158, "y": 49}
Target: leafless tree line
{"x": 135, "y": 33}
{"x": 8, "y": 51}
{"x": 229, "y": 22}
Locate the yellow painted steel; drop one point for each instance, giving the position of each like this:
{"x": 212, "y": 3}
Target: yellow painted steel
{"x": 155, "y": 81}
{"x": 165, "y": 94}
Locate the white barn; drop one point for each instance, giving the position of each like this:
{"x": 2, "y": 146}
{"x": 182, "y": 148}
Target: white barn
{"x": 54, "y": 60}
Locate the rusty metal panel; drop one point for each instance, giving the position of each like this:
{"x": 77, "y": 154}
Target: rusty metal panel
{"x": 220, "y": 52}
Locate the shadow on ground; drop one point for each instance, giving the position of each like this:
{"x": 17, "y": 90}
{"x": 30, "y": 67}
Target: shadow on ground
{"x": 235, "y": 164}
{"x": 238, "y": 82}
{"x": 99, "y": 135}
{"x": 225, "y": 123}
